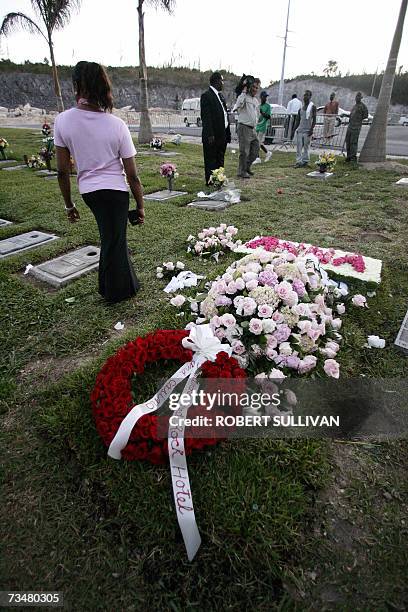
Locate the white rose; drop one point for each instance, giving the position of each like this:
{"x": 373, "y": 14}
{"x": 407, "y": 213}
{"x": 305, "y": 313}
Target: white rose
{"x": 177, "y": 301}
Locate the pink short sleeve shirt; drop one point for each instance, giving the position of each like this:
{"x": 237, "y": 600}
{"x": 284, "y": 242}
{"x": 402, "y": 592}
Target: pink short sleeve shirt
{"x": 97, "y": 142}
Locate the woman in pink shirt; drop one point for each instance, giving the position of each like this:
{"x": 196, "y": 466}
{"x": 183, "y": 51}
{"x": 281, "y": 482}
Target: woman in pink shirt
{"x": 104, "y": 152}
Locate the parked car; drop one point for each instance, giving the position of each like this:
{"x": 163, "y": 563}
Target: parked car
{"x": 191, "y": 112}
{"x": 403, "y": 121}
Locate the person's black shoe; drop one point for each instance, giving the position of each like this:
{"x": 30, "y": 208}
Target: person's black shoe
{"x": 250, "y": 172}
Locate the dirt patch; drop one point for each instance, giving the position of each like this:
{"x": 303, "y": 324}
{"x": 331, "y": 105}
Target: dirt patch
{"x": 358, "y": 519}
{"x": 387, "y": 165}
{"x": 373, "y": 237}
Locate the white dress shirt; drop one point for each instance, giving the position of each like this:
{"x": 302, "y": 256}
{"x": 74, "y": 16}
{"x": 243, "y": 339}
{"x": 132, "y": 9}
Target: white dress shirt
{"x": 222, "y": 106}
{"x": 294, "y": 106}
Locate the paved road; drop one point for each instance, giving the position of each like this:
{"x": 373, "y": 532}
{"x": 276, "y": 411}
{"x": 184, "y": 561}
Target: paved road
{"x": 397, "y": 136}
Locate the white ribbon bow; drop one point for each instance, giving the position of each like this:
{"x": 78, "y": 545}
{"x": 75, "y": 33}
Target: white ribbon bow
{"x": 205, "y": 346}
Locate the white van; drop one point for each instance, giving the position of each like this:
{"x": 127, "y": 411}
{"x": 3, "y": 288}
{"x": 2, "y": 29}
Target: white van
{"x": 191, "y": 112}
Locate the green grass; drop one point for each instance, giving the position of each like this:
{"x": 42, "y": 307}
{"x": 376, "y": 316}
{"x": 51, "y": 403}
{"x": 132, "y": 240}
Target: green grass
{"x": 104, "y": 532}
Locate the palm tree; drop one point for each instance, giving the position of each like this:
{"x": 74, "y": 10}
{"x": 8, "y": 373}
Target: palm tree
{"x": 52, "y": 15}
{"x": 145, "y": 129}
{"x": 374, "y": 146}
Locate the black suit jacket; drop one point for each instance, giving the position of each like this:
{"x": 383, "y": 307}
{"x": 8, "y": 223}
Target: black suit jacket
{"x": 212, "y": 118}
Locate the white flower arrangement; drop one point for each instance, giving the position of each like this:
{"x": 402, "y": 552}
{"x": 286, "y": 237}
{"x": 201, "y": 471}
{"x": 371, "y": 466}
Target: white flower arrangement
{"x": 213, "y": 241}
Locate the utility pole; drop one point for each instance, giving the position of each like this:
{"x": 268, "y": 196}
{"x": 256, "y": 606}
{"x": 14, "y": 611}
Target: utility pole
{"x": 285, "y": 44}
{"x": 375, "y": 78}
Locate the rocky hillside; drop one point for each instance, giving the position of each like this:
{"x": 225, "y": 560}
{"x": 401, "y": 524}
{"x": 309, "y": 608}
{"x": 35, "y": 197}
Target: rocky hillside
{"x": 167, "y": 87}
{"x": 32, "y": 84}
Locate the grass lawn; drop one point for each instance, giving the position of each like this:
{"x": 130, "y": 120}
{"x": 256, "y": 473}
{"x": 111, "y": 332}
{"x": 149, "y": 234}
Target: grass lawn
{"x": 285, "y": 525}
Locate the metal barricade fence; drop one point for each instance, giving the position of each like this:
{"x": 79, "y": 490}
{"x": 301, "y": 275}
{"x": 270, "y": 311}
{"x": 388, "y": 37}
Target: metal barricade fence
{"x": 329, "y": 132}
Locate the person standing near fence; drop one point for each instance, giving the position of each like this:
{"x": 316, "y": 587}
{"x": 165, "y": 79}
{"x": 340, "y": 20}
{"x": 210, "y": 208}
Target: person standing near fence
{"x": 331, "y": 110}
{"x": 247, "y": 107}
{"x": 358, "y": 113}
{"x": 294, "y": 106}
{"x": 216, "y": 132}
{"x": 304, "y": 126}
{"x": 262, "y": 126}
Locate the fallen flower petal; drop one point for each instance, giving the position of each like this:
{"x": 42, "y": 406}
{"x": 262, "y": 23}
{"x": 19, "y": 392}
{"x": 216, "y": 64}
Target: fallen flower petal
{"x": 375, "y": 342}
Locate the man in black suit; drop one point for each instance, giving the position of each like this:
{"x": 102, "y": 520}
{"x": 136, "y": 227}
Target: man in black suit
{"x": 216, "y": 128}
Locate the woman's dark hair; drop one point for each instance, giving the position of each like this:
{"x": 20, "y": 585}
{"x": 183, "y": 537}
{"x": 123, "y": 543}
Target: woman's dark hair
{"x": 92, "y": 82}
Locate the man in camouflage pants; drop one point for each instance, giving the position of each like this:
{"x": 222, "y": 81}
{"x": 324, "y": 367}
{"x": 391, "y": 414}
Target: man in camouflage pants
{"x": 359, "y": 112}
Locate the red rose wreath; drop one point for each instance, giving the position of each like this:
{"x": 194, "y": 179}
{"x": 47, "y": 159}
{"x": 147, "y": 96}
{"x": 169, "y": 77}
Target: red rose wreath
{"x": 112, "y": 395}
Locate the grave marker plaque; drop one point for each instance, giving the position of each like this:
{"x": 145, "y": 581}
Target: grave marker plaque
{"x": 23, "y": 242}
{"x": 165, "y": 194}
{"x": 20, "y": 167}
{"x": 320, "y": 175}
{"x": 4, "y": 222}
{"x": 401, "y": 340}
{"x": 209, "y": 204}
{"x": 62, "y": 270}
{"x": 402, "y": 182}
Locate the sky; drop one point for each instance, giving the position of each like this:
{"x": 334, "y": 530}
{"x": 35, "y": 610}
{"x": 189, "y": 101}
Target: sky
{"x": 239, "y": 35}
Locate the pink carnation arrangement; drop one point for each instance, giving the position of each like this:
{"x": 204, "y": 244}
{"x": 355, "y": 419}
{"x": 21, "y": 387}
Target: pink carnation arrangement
{"x": 325, "y": 256}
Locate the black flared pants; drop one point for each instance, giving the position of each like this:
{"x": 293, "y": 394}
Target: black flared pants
{"x": 117, "y": 279}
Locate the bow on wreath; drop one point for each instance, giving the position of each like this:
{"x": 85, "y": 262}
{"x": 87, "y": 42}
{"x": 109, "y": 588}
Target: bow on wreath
{"x": 205, "y": 347}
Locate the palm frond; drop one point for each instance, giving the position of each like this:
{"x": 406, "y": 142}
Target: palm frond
{"x": 55, "y": 13}
{"x": 15, "y": 21}
{"x": 167, "y": 5}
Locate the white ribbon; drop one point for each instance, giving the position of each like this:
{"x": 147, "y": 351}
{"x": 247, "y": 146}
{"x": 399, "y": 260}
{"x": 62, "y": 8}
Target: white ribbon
{"x": 205, "y": 346}
{"x": 182, "y": 280}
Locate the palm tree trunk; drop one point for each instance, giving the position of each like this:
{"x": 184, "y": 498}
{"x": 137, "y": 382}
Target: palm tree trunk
{"x": 57, "y": 88}
{"x": 374, "y": 146}
{"x": 145, "y": 129}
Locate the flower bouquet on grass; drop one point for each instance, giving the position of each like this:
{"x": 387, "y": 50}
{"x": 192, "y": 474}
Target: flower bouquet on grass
{"x": 3, "y": 146}
{"x": 35, "y": 162}
{"x": 168, "y": 269}
{"x": 277, "y": 313}
{"x": 218, "y": 178}
{"x": 47, "y": 151}
{"x": 169, "y": 171}
{"x": 156, "y": 144}
{"x": 326, "y": 162}
{"x": 213, "y": 241}
{"x": 46, "y": 129}
{"x": 225, "y": 189}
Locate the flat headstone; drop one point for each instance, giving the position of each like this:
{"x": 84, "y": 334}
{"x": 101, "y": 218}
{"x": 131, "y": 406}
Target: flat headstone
{"x": 209, "y": 204}
{"x": 320, "y": 175}
{"x": 4, "y": 162}
{"x": 20, "y": 167}
{"x": 46, "y": 173}
{"x": 23, "y": 242}
{"x": 401, "y": 340}
{"x": 51, "y": 176}
{"x": 167, "y": 153}
{"x": 165, "y": 194}
{"x": 403, "y": 182}
{"x": 62, "y": 270}
{"x": 4, "y": 222}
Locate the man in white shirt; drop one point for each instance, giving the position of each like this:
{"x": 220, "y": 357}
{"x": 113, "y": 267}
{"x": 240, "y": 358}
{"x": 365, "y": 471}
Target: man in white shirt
{"x": 293, "y": 108}
{"x": 216, "y": 131}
